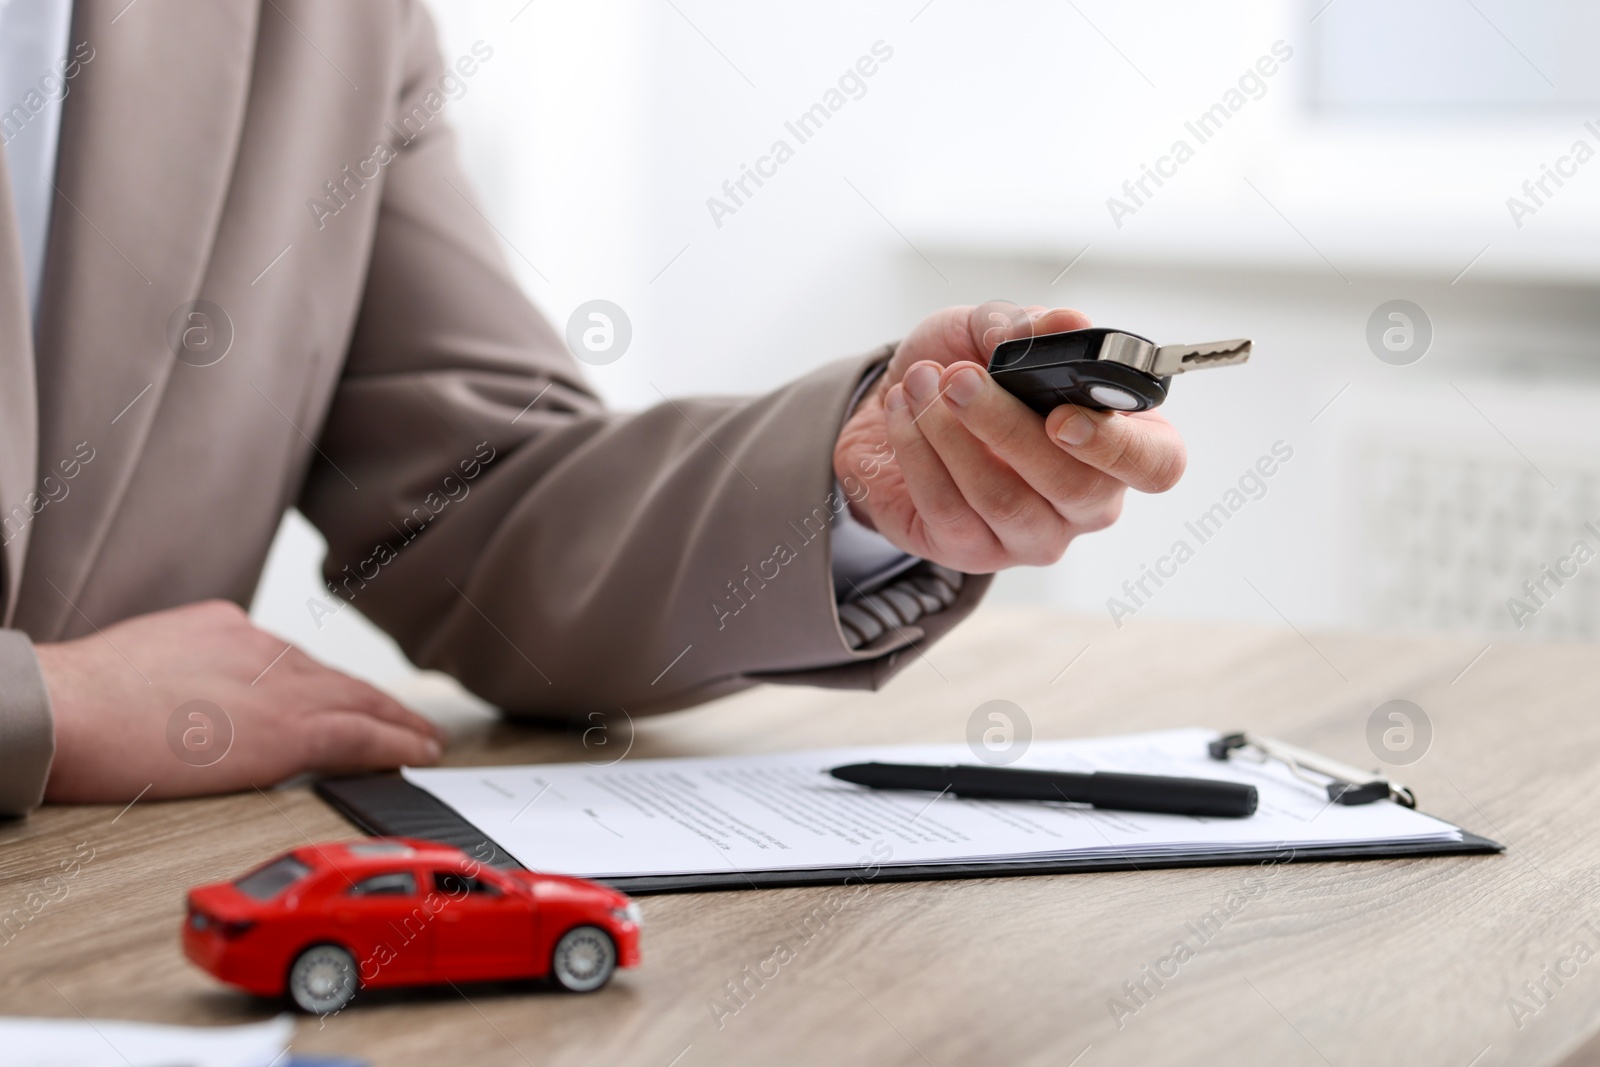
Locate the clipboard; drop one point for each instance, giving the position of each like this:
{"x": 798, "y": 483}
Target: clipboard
{"x": 389, "y": 805}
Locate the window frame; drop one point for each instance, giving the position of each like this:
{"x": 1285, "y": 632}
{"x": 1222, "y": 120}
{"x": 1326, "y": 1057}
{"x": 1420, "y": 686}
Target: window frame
{"x": 288, "y": 860}
{"x": 354, "y": 891}
{"x": 491, "y": 889}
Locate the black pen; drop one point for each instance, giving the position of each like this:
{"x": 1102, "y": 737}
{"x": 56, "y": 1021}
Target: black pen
{"x": 1101, "y": 789}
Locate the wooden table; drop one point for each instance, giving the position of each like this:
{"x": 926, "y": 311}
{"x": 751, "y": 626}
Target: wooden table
{"x": 1398, "y": 961}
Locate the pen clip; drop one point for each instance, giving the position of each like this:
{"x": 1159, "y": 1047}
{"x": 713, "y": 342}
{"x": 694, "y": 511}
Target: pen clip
{"x": 1344, "y": 783}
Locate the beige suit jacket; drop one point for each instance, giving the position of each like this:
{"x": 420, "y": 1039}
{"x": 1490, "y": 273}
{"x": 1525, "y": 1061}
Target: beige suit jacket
{"x": 381, "y": 358}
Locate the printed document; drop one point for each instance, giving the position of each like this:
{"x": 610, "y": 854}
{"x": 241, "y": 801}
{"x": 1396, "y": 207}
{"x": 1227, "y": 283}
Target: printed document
{"x": 782, "y": 811}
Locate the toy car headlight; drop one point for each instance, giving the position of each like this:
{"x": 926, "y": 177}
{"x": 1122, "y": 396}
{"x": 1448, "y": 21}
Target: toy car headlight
{"x": 631, "y": 914}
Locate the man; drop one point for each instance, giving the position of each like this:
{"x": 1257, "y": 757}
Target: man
{"x": 245, "y": 273}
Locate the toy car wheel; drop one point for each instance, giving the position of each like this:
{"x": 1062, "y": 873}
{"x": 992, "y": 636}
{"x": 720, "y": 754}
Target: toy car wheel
{"x": 323, "y": 979}
{"x": 583, "y": 959}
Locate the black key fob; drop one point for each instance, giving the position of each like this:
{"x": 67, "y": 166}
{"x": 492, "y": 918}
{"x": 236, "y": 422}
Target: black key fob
{"x": 1100, "y": 368}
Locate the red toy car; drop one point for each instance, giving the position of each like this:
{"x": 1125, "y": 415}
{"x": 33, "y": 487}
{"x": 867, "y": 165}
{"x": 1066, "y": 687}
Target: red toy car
{"x": 325, "y": 920}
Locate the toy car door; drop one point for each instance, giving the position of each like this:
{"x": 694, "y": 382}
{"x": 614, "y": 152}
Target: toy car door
{"x": 383, "y": 920}
{"x": 484, "y": 929}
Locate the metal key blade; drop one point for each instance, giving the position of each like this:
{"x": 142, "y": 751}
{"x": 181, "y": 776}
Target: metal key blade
{"x": 1176, "y": 359}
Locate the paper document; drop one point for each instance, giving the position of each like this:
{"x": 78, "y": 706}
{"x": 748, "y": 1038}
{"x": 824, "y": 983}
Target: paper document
{"x": 782, "y": 811}
{"x": 78, "y": 1042}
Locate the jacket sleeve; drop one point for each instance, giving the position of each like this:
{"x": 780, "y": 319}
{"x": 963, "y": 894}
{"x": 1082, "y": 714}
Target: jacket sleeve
{"x": 27, "y": 729}
{"x": 482, "y": 507}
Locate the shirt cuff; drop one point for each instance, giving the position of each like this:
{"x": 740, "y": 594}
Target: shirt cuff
{"x": 928, "y": 590}
{"x": 863, "y": 559}
{"x": 27, "y": 727}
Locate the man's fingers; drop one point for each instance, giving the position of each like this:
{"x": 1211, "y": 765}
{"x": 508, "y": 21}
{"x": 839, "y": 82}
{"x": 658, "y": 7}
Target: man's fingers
{"x": 1080, "y": 493}
{"x": 1027, "y": 524}
{"x": 995, "y": 321}
{"x": 357, "y": 695}
{"x": 1059, "y": 320}
{"x": 1143, "y": 450}
{"x": 346, "y": 741}
{"x": 946, "y": 516}
{"x": 323, "y": 687}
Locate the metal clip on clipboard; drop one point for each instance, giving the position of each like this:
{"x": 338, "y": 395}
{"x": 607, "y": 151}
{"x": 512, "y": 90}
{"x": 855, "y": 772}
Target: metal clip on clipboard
{"x": 1344, "y": 783}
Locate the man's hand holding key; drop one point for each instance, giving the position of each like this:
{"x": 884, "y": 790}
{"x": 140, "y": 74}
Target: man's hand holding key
{"x": 979, "y": 481}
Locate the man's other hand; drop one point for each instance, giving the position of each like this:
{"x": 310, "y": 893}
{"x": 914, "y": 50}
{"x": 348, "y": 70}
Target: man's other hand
{"x": 958, "y": 471}
{"x": 114, "y": 696}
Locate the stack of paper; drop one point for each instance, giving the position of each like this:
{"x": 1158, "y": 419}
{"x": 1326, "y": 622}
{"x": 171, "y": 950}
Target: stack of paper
{"x": 97, "y": 1042}
{"x": 782, "y": 812}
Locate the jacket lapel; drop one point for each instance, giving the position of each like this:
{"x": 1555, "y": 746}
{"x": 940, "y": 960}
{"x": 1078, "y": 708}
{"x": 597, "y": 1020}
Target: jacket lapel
{"x": 149, "y": 137}
{"x": 18, "y": 415}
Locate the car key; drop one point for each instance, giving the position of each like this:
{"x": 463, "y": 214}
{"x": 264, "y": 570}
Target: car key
{"x": 1099, "y": 368}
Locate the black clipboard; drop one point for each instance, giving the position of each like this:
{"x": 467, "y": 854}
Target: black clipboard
{"x": 389, "y": 806}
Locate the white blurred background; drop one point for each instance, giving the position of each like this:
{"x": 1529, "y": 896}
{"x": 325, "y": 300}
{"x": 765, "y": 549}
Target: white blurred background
{"x": 1374, "y": 163}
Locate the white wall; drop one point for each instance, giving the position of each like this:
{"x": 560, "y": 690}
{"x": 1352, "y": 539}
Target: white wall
{"x": 978, "y": 163}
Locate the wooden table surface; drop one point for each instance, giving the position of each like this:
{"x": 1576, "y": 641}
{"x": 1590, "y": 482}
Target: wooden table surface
{"x": 1394, "y": 961}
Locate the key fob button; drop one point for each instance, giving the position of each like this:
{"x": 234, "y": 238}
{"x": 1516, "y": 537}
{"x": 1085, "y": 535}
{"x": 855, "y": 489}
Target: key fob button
{"x": 1109, "y": 396}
